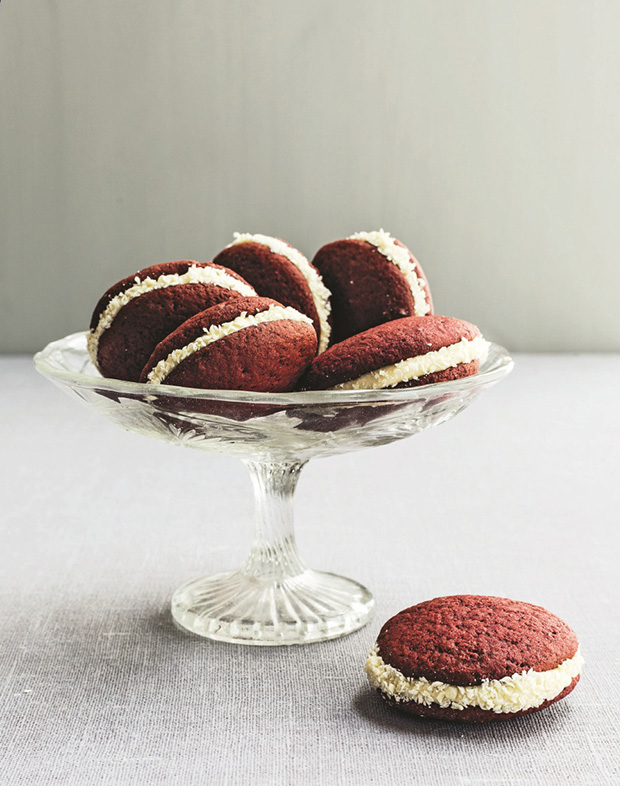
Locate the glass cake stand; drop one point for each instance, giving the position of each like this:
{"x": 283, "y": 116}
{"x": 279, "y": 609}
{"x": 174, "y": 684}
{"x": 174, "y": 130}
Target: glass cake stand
{"x": 273, "y": 598}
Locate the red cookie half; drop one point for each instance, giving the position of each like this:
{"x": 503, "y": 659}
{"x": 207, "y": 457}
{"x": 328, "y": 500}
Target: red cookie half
{"x": 135, "y": 314}
{"x": 402, "y": 353}
{"x": 474, "y": 658}
{"x": 278, "y": 270}
{"x": 373, "y": 278}
{"x": 249, "y": 343}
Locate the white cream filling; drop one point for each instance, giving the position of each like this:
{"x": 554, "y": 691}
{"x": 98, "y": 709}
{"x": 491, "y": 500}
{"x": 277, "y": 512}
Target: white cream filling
{"x": 194, "y": 275}
{"x": 510, "y": 694}
{"x": 386, "y": 245}
{"x": 465, "y": 351}
{"x": 320, "y": 293}
{"x": 216, "y": 332}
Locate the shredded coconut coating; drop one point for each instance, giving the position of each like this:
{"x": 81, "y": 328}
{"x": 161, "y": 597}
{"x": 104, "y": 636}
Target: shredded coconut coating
{"x": 194, "y": 275}
{"x": 320, "y": 293}
{"x": 216, "y": 332}
{"x": 465, "y": 351}
{"x": 399, "y": 255}
{"x": 519, "y": 692}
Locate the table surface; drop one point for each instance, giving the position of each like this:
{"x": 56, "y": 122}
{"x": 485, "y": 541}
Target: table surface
{"x": 517, "y": 496}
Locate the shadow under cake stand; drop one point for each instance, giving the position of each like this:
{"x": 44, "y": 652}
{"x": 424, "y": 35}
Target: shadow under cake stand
{"x": 273, "y": 598}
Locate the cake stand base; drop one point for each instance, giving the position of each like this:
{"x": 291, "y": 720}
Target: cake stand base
{"x": 301, "y": 609}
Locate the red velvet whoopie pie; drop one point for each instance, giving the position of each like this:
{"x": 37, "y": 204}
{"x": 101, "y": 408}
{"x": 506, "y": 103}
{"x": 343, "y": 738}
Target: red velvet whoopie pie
{"x": 135, "y": 314}
{"x": 402, "y": 353}
{"x": 373, "y": 278}
{"x": 474, "y": 658}
{"x": 278, "y": 270}
{"x": 248, "y": 343}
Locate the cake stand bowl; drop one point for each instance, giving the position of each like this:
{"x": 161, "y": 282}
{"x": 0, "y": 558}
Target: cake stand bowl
{"x": 273, "y": 598}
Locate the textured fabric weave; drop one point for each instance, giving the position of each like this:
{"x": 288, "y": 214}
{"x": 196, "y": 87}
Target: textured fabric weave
{"x": 518, "y": 496}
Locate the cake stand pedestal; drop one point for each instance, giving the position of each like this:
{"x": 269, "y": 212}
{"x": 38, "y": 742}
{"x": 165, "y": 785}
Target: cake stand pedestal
{"x": 273, "y": 598}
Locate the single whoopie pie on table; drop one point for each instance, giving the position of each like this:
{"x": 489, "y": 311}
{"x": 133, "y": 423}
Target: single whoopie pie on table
{"x": 135, "y": 314}
{"x": 247, "y": 343}
{"x": 402, "y": 353}
{"x": 474, "y": 658}
{"x": 373, "y": 278}
{"x": 278, "y": 270}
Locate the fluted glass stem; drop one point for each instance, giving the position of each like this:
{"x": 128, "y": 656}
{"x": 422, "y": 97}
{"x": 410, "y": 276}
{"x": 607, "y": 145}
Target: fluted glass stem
{"x": 274, "y": 598}
{"x": 274, "y": 552}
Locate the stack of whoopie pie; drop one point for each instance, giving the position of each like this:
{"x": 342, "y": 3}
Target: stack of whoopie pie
{"x": 261, "y": 317}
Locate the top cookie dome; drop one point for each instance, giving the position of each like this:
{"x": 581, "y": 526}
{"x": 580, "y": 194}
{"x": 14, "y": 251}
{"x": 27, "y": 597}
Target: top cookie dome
{"x": 465, "y": 639}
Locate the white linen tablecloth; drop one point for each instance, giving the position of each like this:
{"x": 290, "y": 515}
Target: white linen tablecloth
{"x": 517, "y": 496}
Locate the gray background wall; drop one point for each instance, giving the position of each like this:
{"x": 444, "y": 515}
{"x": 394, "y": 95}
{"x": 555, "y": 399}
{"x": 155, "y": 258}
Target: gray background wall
{"x": 485, "y": 134}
